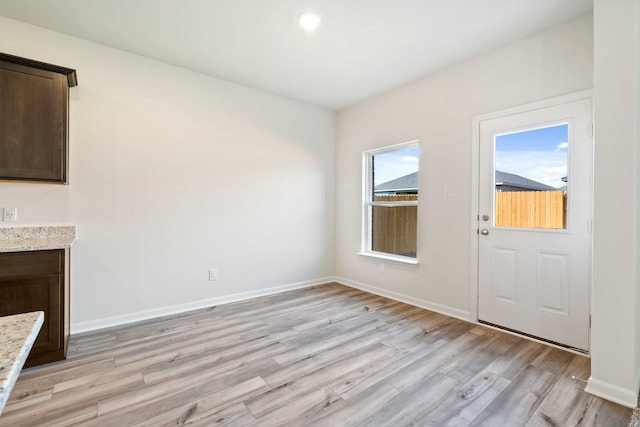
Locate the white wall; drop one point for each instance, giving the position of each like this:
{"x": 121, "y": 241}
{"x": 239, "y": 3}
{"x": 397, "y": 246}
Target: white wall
{"x": 438, "y": 111}
{"x": 172, "y": 173}
{"x": 615, "y": 347}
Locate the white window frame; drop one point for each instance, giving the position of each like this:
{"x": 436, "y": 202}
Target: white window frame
{"x": 368, "y": 203}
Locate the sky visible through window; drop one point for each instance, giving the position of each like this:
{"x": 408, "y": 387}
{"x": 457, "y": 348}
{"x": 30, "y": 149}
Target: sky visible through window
{"x": 394, "y": 164}
{"x": 538, "y": 154}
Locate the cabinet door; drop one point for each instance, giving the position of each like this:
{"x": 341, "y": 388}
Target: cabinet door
{"x": 35, "y": 294}
{"x": 34, "y": 281}
{"x": 33, "y": 124}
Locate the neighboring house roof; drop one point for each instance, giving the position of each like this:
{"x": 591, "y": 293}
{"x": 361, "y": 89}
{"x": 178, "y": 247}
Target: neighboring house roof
{"x": 408, "y": 183}
{"x": 403, "y": 184}
{"x": 513, "y": 180}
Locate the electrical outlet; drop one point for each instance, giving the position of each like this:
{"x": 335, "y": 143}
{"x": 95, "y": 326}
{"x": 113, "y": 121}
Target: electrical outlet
{"x": 213, "y": 275}
{"x": 10, "y": 214}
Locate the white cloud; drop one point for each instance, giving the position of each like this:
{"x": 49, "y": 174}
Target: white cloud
{"x": 410, "y": 159}
{"x": 562, "y": 146}
{"x": 542, "y": 166}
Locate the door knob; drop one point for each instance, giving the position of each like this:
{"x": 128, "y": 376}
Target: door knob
{"x": 484, "y": 232}
{"x": 485, "y": 217}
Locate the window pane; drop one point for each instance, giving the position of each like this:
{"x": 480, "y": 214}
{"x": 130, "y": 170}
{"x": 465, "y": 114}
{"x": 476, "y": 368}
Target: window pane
{"x": 395, "y": 230}
{"x": 531, "y": 178}
{"x": 395, "y": 172}
{"x": 394, "y": 181}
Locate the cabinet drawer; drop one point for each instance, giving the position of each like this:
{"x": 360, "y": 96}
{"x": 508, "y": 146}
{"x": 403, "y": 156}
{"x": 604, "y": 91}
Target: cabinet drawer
{"x": 28, "y": 264}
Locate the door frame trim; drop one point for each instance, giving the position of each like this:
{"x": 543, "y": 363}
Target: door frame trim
{"x": 474, "y": 280}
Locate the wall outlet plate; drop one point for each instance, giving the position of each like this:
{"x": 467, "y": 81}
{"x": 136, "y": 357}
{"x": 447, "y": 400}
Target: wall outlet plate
{"x": 10, "y": 214}
{"x": 213, "y": 275}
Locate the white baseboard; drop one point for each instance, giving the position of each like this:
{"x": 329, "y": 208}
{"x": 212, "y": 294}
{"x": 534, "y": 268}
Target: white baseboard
{"x": 611, "y": 392}
{"x": 107, "y": 322}
{"x": 417, "y": 302}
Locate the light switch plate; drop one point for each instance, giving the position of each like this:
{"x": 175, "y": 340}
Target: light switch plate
{"x": 449, "y": 191}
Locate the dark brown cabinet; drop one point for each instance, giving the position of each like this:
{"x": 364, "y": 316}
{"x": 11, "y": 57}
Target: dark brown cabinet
{"x": 34, "y": 98}
{"x": 39, "y": 281}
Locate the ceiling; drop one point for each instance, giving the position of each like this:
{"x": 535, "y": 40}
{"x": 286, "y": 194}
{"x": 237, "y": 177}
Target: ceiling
{"x": 362, "y": 47}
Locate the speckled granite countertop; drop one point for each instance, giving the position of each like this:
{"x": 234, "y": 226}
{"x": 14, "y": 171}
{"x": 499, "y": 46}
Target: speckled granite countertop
{"x": 17, "y": 335}
{"x": 19, "y": 239}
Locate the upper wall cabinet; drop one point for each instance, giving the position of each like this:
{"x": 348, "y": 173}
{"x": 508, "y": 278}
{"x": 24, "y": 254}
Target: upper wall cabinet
{"x": 34, "y": 106}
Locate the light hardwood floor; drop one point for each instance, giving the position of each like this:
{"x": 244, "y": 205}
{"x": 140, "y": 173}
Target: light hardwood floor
{"x": 327, "y": 356}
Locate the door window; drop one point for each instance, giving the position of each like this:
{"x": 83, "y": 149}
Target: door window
{"x": 531, "y": 178}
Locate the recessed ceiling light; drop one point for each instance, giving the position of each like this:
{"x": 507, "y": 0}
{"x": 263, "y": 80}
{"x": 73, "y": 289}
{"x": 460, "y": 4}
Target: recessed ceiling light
{"x": 309, "y": 21}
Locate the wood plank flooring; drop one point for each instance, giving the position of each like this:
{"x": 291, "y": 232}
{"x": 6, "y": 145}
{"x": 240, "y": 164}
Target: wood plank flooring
{"x": 324, "y": 356}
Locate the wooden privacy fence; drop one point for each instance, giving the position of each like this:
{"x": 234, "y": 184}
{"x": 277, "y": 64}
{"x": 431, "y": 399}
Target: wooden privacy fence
{"x": 536, "y": 209}
{"x": 395, "y": 228}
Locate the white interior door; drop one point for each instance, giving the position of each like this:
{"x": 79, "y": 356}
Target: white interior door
{"x": 534, "y": 224}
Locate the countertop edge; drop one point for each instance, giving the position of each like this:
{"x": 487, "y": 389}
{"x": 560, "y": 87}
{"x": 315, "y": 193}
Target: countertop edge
{"x": 16, "y": 367}
{"x": 35, "y": 238}
{"x": 28, "y": 246}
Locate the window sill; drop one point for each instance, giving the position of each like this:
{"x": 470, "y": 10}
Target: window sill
{"x": 390, "y": 257}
